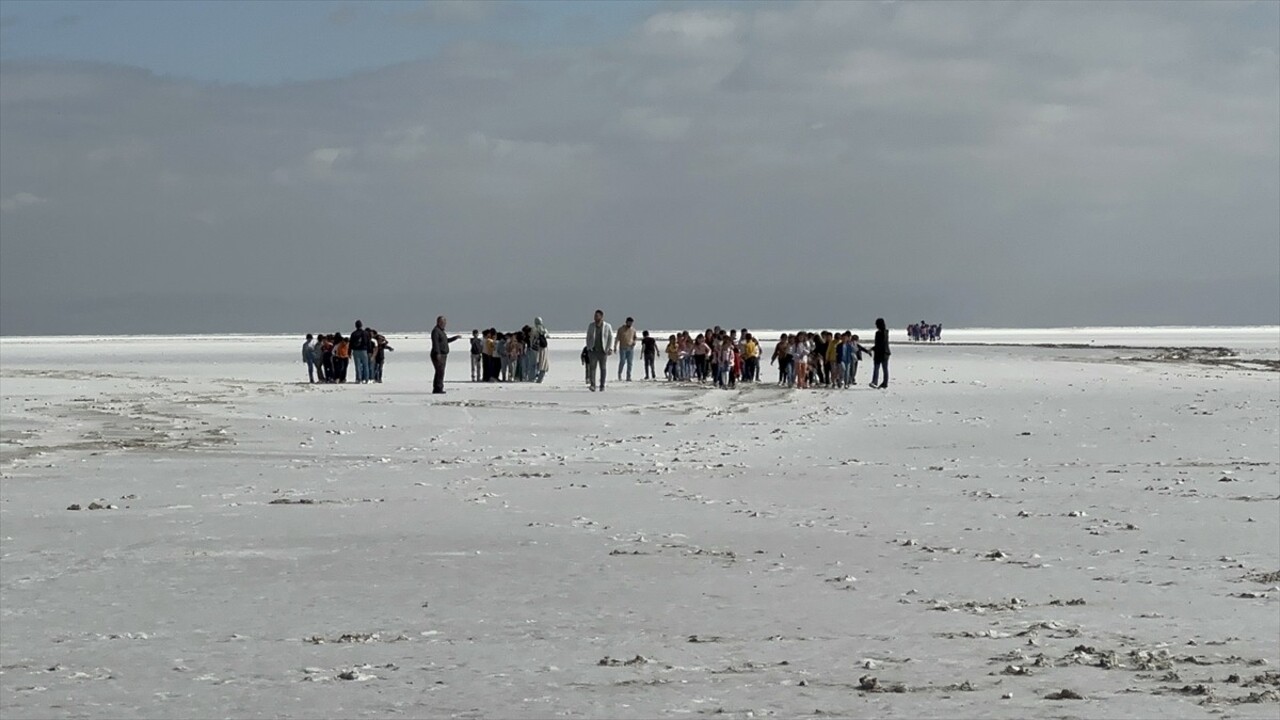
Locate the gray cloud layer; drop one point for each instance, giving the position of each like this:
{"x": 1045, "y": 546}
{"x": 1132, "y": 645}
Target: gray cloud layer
{"x": 767, "y": 165}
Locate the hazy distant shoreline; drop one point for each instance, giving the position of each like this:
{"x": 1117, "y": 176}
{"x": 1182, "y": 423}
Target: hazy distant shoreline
{"x": 1099, "y": 336}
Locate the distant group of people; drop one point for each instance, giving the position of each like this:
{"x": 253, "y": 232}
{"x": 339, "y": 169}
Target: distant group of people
{"x": 328, "y": 357}
{"x": 727, "y": 357}
{"x": 519, "y": 356}
{"x": 722, "y": 357}
{"x": 924, "y": 332}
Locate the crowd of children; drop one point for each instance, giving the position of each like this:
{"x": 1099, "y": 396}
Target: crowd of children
{"x": 723, "y": 357}
{"x": 924, "y": 332}
{"x": 808, "y": 359}
{"x": 328, "y": 357}
{"x": 519, "y": 356}
{"x": 726, "y": 357}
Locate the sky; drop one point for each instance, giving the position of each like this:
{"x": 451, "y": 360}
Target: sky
{"x": 189, "y": 167}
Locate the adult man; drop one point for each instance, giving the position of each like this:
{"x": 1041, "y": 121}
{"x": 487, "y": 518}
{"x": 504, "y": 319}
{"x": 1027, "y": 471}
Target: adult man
{"x": 439, "y": 354}
{"x": 308, "y": 356}
{"x": 625, "y": 344}
{"x": 359, "y": 347}
{"x": 600, "y": 343}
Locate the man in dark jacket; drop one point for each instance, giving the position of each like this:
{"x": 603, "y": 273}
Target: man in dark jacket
{"x": 439, "y": 354}
{"x": 359, "y": 346}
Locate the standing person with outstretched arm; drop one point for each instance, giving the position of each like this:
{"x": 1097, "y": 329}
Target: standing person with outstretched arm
{"x": 439, "y": 354}
{"x": 880, "y": 355}
{"x": 599, "y": 347}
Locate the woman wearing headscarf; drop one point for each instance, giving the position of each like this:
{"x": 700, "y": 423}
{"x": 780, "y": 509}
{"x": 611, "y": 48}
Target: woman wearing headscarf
{"x": 538, "y": 344}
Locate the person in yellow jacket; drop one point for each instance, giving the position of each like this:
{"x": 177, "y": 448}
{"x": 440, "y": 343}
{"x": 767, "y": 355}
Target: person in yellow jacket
{"x": 750, "y": 358}
{"x": 829, "y": 359}
{"x": 672, "y": 371}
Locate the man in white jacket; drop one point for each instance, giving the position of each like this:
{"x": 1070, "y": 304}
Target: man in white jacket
{"x": 599, "y": 348}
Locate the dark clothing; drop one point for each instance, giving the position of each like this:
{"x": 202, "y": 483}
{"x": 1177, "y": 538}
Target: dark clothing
{"x": 596, "y": 361}
{"x": 440, "y": 341}
{"x": 438, "y": 361}
{"x": 492, "y": 367}
{"x": 649, "y": 347}
{"x": 359, "y": 340}
{"x": 877, "y": 365}
{"x": 880, "y": 350}
{"x": 477, "y": 346}
{"x": 880, "y": 358}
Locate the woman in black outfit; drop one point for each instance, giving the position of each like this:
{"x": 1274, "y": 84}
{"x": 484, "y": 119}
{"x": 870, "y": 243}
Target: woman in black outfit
{"x": 880, "y": 355}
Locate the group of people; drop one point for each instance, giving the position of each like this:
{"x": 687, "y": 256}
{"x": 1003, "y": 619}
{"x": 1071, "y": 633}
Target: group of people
{"x": 924, "y": 332}
{"x": 727, "y": 357}
{"x": 328, "y": 357}
{"x": 723, "y": 357}
{"x": 519, "y": 356}
{"x": 809, "y": 359}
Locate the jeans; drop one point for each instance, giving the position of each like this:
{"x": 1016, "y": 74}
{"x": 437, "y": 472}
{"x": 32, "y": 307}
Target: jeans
{"x": 361, "y": 358}
{"x": 626, "y": 356}
{"x": 596, "y": 361}
{"x": 477, "y": 367}
{"x": 311, "y": 371}
{"x": 880, "y": 362}
{"x": 649, "y": 371}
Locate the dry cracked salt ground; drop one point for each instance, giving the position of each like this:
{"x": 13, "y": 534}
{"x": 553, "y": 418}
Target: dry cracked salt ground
{"x": 1004, "y": 526}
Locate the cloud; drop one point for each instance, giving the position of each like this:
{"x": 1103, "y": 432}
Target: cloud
{"x": 19, "y": 201}
{"x": 344, "y": 14}
{"x": 446, "y": 12}
{"x": 653, "y": 124}
{"x": 976, "y": 163}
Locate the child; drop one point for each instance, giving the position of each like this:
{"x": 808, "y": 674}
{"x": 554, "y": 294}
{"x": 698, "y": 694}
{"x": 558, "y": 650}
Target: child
{"x": 673, "y": 358}
{"x": 857, "y": 350}
{"x": 844, "y": 351}
{"x": 800, "y": 351}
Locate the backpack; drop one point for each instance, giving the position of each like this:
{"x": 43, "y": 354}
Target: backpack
{"x": 541, "y": 342}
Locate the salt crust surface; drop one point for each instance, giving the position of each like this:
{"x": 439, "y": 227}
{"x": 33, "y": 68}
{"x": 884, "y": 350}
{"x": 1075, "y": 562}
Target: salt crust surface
{"x": 1002, "y": 521}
